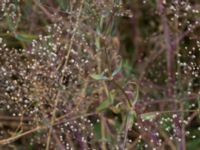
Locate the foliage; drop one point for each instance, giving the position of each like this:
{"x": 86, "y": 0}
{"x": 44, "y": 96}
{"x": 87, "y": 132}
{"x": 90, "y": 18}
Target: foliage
{"x": 99, "y": 74}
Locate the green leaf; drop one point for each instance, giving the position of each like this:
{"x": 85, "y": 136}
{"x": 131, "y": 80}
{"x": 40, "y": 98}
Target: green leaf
{"x": 98, "y": 30}
{"x": 127, "y": 68}
{"x": 111, "y": 97}
{"x": 137, "y": 94}
{"x": 101, "y": 22}
{"x": 105, "y": 104}
{"x": 99, "y": 77}
{"x": 98, "y": 134}
{"x": 131, "y": 118}
{"x": 25, "y": 37}
{"x": 97, "y": 131}
{"x": 97, "y": 43}
{"x": 117, "y": 70}
{"x": 118, "y": 124}
{"x": 148, "y": 116}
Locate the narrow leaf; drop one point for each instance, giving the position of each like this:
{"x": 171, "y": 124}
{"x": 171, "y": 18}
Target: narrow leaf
{"x": 148, "y": 116}
{"x": 105, "y": 104}
{"x": 130, "y": 119}
{"x": 117, "y": 70}
{"x": 98, "y": 77}
{"x": 25, "y": 37}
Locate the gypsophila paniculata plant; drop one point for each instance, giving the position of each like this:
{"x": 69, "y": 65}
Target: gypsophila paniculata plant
{"x": 99, "y": 74}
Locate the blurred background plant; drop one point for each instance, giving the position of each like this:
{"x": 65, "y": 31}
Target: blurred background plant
{"x": 99, "y": 74}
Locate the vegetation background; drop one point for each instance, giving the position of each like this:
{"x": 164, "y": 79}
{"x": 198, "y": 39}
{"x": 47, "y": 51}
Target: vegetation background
{"x": 100, "y": 74}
